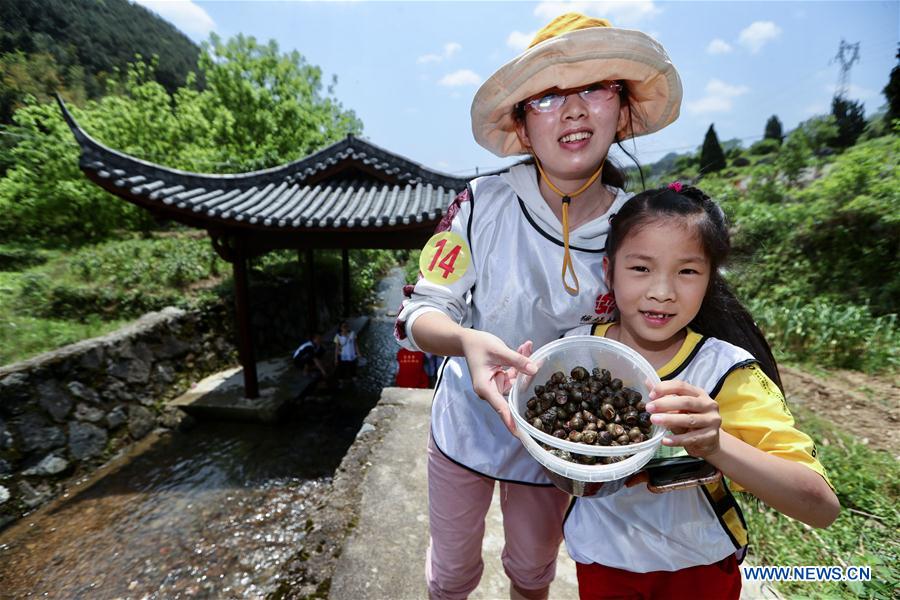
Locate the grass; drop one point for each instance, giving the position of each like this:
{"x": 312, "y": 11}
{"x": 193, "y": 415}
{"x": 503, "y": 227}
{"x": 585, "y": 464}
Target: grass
{"x": 53, "y": 297}
{"x": 868, "y": 485}
{"x": 23, "y": 337}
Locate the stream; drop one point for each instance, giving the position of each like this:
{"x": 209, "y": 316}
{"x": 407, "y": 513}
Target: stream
{"x": 211, "y": 512}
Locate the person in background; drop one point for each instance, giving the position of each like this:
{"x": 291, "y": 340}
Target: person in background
{"x": 411, "y": 369}
{"x": 309, "y": 354}
{"x": 346, "y": 351}
{"x": 503, "y": 271}
{"x": 432, "y": 365}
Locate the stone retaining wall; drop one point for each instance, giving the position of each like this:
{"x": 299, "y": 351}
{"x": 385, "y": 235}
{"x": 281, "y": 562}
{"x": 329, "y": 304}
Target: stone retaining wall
{"x": 66, "y": 412}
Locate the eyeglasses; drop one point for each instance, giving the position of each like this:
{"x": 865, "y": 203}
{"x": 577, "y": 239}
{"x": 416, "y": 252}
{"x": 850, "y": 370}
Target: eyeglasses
{"x": 596, "y": 93}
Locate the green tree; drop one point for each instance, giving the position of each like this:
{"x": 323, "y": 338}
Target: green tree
{"x": 34, "y": 75}
{"x": 97, "y": 36}
{"x": 849, "y": 116}
{"x": 892, "y": 91}
{"x": 712, "y": 158}
{"x": 278, "y": 113}
{"x": 794, "y": 155}
{"x": 820, "y": 132}
{"x": 269, "y": 107}
{"x": 773, "y": 129}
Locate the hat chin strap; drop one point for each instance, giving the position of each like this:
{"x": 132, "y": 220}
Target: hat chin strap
{"x": 567, "y": 266}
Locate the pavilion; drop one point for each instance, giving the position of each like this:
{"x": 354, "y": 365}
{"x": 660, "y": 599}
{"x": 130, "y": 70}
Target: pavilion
{"x": 352, "y": 194}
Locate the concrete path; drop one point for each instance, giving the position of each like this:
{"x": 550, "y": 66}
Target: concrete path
{"x": 384, "y": 556}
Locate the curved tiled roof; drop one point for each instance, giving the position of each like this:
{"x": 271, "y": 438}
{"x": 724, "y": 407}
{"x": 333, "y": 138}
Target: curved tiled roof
{"x": 350, "y": 184}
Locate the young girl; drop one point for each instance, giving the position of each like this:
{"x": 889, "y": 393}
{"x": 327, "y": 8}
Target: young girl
{"x": 512, "y": 259}
{"x": 720, "y": 397}
{"x": 346, "y": 351}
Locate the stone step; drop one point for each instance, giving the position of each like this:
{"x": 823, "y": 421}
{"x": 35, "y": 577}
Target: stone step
{"x": 221, "y": 395}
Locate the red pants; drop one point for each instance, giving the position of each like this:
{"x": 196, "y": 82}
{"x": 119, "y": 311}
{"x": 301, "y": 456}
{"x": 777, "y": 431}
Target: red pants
{"x": 718, "y": 581}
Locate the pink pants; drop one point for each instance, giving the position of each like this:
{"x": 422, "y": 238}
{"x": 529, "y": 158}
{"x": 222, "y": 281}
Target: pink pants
{"x": 458, "y": 502}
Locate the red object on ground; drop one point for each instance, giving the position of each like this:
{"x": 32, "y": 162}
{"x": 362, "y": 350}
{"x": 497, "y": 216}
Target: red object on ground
{"x": 412, "y": 369}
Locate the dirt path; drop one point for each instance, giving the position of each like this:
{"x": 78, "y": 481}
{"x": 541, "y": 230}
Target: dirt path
{"x": 866, "y": 406}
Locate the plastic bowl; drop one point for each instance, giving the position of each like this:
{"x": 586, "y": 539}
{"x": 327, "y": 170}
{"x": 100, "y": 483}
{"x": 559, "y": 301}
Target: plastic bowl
{"x": 587, "y": 351}
{"x": 583, "y": 480}
{"x": 563, "y": 355}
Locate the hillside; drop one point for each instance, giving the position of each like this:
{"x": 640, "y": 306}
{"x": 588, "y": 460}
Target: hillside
{"x": 75, "y": 45}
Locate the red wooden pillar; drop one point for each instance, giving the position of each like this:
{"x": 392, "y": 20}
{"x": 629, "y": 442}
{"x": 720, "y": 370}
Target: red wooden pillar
{"x": 345, "y": 281}
{"x": 313, "y": 314}
{"x": 246, "y": 353}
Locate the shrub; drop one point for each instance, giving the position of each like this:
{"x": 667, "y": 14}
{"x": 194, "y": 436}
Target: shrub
{"x": 851, "y": 236}
{"x": 838, "y": 238}
{"x": 411, "y": 268}
{"x": 765, "y": 146}
{"x": 119, "y": 279}
{"x": 19, "y": 259}
{"x": 794, "y": 156}
{"x": 820, "y": 132}
{"x": 829, "y": 334}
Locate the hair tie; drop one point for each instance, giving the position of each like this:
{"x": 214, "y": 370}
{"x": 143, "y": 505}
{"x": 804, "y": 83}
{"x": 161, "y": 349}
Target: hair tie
{"x": 675, "y": 186}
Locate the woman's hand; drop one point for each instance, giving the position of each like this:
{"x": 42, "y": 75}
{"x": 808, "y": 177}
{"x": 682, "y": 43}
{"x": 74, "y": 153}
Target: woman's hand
{"x": 493, "y": 366}
{"x": 689, "y": 413}
{"x": 504, "y": 379}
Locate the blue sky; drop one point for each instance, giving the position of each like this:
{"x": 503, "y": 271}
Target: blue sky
{"x": 410, "y": 69}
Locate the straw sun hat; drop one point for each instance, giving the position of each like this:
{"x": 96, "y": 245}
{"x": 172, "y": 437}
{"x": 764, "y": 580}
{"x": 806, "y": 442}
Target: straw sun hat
{"x": 572, "y": 51}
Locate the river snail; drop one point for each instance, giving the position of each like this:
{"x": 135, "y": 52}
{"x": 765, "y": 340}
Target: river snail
{"x": 615, "y": 429}
{"x": 608, "y": 411}
{"x": 631, "y": 417}
{"x": 579, "y": 374}
{"x": 589, "y": 407}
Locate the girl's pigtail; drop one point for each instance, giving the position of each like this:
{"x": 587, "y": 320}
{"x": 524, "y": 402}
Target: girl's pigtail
{"x": 723, "y": 316}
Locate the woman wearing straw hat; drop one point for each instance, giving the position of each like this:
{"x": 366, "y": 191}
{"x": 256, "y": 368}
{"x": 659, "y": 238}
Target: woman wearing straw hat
{"x": 511, "y": 261}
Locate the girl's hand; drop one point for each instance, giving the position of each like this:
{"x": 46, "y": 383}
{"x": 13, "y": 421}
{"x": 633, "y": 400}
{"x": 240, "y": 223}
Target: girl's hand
{"x": 493, "y": 366}
{"x": 689, "y": 413}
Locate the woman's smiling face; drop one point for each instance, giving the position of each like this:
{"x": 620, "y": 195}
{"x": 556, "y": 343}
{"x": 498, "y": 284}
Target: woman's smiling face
{"x": 573, "y": 140}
